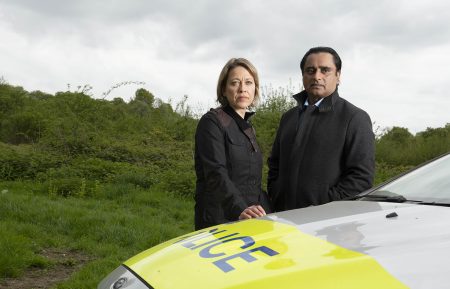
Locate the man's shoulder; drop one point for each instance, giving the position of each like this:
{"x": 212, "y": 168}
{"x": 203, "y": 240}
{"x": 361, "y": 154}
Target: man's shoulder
{"x": 291, "y": 111}
{"x": 352, "y": 114}
{"x": 346, "y": 106}
{"x": 287, "y": 116}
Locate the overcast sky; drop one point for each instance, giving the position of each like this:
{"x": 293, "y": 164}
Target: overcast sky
{"x": 396, "y": 54}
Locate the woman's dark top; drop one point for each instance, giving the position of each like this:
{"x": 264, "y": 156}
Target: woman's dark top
{"x": 228, "y": 165}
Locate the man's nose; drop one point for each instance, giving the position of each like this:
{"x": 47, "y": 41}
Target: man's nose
{"x": 318, "y": 74}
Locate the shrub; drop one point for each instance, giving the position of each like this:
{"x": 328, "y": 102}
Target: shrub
{"x": 179, "y": 181}
{"x": 25, "y": 161}
{"x": 141, "y": 177}
{"x": 384, "y": 172}
{"x": 22, "y": 127}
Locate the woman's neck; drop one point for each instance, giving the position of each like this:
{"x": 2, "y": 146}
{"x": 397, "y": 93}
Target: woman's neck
{"x": 240, "y": 111}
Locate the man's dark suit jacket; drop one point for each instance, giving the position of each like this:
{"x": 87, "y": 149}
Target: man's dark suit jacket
{"x": 320, "y": 155}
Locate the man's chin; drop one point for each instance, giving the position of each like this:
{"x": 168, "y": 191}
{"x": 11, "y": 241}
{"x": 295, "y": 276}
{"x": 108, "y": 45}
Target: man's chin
{"x": 316, "y": 93}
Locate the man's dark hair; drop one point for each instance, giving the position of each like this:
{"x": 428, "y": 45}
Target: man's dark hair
{"x": 336, "y": 58}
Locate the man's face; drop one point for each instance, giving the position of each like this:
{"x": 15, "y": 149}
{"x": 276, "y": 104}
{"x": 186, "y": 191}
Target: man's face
{"x": 320, "y": 77}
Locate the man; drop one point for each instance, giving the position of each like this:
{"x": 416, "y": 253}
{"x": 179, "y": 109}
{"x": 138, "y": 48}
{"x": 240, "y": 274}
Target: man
{"x": 324, "y": 147}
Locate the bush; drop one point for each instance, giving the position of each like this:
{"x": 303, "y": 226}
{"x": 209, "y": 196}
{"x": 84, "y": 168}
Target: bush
{"x": 140, "y": 177}
{"x": 88, "y": 168}
{"x": 22, "y": 127}
{"x": 179, "y": 181}
{"x": 25, "y": 161}
{"x": 384, "y": 172}
{"x": 12, "y": 164}
{"x": 397, "y": 147}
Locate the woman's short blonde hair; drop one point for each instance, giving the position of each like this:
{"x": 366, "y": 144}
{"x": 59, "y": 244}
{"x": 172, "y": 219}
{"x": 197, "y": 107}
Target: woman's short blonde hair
{"x": 233, "y": 63}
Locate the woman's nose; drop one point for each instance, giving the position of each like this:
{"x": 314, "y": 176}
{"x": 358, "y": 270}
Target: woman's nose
{"x": 241, "y": 87}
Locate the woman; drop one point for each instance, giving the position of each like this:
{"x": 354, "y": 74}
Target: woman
{"x": 228, "y": 162}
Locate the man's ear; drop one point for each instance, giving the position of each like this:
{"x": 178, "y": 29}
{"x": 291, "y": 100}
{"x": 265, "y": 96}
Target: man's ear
{"x": 338, "y": 74}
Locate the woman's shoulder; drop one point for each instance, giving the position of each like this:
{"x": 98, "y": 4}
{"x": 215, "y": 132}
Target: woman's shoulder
{"x": 209, "y": 119}
{"x": 210, "y": 115}
{"x": 217, "y": 115}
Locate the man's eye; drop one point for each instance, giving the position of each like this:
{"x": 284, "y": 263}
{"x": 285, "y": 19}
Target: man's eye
{"x": 310, "y": 70}
{"x": 325, "y": 70}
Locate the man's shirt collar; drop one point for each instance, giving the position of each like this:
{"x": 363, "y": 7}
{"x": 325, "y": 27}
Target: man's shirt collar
{"x": 316, "y": 104}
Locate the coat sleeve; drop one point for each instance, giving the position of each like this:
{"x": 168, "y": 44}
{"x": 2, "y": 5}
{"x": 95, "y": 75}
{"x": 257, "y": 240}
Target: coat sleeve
{"x": 358, "y": 158}
{"x": 211, "y": 152}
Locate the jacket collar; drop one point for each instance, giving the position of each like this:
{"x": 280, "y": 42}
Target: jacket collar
{"x": 326, "y": 105}
{"x": 241, "y": 122}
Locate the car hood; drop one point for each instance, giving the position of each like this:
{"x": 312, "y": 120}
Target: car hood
{"x": 346, "y": 244}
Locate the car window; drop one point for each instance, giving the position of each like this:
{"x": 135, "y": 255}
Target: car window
{"x": 427, "y": 183}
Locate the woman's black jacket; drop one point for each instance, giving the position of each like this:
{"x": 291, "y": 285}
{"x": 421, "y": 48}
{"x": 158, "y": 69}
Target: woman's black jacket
{"x": 228, "y": 165}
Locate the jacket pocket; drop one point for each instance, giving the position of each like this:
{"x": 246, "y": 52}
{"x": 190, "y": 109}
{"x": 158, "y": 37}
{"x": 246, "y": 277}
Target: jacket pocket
{"x": 237, "y": 149}
{"x": 238, "y": 141}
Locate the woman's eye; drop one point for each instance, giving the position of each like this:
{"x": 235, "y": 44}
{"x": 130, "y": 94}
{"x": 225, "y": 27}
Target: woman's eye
{"x": 248, "y": 82}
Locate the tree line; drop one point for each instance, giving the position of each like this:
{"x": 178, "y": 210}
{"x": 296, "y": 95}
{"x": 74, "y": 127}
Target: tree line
{"x": 72, "y": 143}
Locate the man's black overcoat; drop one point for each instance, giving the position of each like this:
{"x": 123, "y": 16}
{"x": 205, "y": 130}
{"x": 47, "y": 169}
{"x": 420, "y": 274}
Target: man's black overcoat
{"x": 321, "y": 155}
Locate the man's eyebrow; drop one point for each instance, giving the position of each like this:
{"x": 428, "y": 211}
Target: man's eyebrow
{"x": 323, "y": 66}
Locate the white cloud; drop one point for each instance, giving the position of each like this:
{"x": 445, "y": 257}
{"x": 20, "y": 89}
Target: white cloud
{"x": 395, "y": 60}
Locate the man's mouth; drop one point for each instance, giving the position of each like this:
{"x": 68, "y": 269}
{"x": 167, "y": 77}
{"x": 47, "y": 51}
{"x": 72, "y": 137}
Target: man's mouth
{"x": 317, "y": 86}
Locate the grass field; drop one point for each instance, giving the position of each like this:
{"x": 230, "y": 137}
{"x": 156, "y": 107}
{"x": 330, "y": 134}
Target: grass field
{"x": 103, "y": 228}
{"x": 109, "y": 228}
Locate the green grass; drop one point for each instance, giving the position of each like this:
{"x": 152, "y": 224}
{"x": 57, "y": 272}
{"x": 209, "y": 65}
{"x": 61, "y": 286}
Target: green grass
{"x": 110, "y": 227}
{"x": 117, "y": 222}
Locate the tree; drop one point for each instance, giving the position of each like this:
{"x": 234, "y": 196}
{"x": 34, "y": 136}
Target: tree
{"x": 398, "y": 135}
{"x": 144, "y": 96}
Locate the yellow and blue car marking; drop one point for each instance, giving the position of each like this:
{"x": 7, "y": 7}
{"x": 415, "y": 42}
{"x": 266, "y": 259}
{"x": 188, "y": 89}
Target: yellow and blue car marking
{"x": 258, "y": 254}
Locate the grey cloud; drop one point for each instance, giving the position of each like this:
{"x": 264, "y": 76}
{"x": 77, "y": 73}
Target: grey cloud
{"x": 243, "y": 23}
{"x": 194, "y": 37}
{"x": 115, "y": 11}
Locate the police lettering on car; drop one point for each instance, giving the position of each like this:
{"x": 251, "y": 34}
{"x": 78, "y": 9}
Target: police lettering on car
{"x": 209, "y": 243}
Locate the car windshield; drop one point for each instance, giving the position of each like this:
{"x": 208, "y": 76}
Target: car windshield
{"x": 429, "y": 183}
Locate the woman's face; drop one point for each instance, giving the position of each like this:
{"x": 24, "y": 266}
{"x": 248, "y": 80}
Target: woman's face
{"x": 240, "y": 89}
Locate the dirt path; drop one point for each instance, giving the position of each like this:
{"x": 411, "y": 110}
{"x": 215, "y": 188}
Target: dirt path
{"x": 66, "y": 262}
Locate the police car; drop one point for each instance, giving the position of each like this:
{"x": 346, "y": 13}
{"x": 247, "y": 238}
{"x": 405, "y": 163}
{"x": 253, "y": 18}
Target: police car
{"x": 394, "y": 236}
